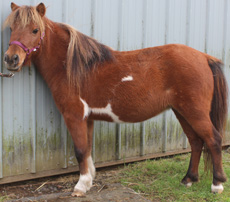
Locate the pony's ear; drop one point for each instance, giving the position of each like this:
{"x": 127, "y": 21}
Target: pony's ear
{"x": 41, "y": 9}
{"x": 13, "y": 6}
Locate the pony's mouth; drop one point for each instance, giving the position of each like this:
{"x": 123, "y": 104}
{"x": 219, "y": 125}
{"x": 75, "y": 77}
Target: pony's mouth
{"x": 14, "y": 68}
{"x": 14, "y": 61}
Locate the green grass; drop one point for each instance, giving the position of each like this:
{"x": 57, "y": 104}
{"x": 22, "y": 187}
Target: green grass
{"x": 3, "y": 198}
{"x": 159, "y": 180}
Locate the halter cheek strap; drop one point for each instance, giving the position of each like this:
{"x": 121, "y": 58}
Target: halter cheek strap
{"x": 27, "y": 50}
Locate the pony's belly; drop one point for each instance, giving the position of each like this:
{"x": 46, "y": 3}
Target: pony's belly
{"x": 134, "y": 116}
{"x": 138, "y": 111}
{"x": 127, "y": 109}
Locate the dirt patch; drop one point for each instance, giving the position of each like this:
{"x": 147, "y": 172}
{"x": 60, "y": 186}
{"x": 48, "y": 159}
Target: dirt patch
{"x": 106, "y": 187}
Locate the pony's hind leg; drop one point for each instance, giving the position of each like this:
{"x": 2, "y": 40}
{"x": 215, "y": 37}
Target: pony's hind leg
{"x": 213, "y": 140}
{"x": 196, "y": 147}
{"x": 201, "y": 123}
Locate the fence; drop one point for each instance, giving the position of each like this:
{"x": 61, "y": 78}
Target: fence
{"x": 34, "y": 141}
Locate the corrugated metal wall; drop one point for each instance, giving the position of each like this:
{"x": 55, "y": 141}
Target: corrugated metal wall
{"x": 34, "y": 140}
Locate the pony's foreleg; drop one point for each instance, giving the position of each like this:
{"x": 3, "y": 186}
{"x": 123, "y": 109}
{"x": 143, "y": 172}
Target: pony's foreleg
{"x": 79, "y": 131}
{"x": 196, "y": 143}
{"x": 86, "y": 175}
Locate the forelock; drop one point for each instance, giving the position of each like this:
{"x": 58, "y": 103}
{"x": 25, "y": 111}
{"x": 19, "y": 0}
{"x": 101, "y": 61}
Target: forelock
{"x": 23, "y": 16}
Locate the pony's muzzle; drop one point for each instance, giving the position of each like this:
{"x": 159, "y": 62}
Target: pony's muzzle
{"x": 11, "y": 61}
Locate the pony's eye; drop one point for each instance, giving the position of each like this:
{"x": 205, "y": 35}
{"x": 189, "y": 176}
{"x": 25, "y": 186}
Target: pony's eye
{"x": 35, "y": 31}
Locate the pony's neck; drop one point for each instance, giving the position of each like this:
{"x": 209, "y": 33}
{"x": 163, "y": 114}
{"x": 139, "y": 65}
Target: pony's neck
{"x": 51, "y": 57}
{"x": 69, "y": 53}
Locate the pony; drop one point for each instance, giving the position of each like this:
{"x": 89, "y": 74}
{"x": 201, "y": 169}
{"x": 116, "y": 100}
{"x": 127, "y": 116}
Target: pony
{"x": 90, "y": 81}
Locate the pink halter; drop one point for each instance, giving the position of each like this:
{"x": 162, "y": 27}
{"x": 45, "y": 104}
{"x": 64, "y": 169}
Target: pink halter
{"x": 27, "y": 50}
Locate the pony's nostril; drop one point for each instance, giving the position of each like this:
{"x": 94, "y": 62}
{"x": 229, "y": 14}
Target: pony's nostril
{"x": 15, "y": 59}
{"x": 6, "y": 58}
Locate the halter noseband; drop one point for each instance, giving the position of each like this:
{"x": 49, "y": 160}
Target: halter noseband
{"x": 27, "y": 50}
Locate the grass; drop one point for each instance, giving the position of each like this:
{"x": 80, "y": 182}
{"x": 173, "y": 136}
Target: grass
{"x": 159, "y": 180}
{"x": 3, "y": 198}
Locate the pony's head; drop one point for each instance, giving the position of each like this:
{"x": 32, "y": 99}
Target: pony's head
{"x": 27, "y": 31}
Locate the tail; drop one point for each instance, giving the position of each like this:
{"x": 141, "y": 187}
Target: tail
{"x": 219, "y": 108}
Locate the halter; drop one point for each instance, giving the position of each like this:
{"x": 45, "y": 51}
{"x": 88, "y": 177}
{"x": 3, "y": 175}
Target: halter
{"x": 27, "y": 50}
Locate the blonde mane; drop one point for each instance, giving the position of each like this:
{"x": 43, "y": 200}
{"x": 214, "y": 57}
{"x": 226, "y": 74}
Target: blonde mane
{"x": 84, "y": 53}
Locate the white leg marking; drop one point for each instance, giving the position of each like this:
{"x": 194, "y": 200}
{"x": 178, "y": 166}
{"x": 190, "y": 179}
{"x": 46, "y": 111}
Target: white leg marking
{"x": 91, "y": 167}
{"x": 217, "y": 188}
{"x": 86, "y": 109}
{"x": 107, "y": 110}
{"x": 127, "y": 78}
{"x": 85, "y": 183}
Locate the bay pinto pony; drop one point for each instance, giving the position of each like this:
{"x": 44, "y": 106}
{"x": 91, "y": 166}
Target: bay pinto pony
{"x": 89, "y": 81}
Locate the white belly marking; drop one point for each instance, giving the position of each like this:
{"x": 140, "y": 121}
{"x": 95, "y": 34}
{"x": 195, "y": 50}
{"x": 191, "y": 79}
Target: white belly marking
{"x": 108, "y": 111}
{"x": 104, "y": 110}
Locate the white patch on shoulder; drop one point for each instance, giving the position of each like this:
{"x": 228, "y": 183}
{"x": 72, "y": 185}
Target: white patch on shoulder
{"x": 217, "y": 188}
{"x": 127, "y": 78}
{"x": 85, "y": 183}
{"x": 86, "y": 108}
{"x": 107, "y": 110}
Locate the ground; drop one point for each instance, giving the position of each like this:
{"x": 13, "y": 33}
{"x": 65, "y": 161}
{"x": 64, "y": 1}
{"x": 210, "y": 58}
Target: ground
{"x": 155, "y": 180}
{"x": 58, "y": 189}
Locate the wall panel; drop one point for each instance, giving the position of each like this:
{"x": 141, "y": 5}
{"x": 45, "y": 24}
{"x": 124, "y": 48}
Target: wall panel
{"x": 34, "y": 141}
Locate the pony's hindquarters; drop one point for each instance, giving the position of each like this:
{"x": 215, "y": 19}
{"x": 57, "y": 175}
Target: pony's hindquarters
{"x": 200, "y": 104}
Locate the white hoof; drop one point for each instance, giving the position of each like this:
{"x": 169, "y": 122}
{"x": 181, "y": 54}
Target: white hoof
{"x": 189, "y": 184}
{"x": 217, "y": 188}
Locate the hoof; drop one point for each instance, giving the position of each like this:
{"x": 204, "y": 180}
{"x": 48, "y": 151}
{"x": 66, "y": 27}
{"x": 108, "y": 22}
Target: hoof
{"x": 189, "y": 184}
{"x": 78, "y": 193}
{"x": 217, "y": 188}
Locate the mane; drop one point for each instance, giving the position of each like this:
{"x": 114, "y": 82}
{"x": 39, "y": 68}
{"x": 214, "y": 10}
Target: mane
{"x": 83, "y": 55}
{"x": 23, "y": 16}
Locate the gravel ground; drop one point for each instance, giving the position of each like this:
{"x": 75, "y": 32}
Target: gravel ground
{"x": 111, "y": 193}
{"x": 106, "y": 188}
